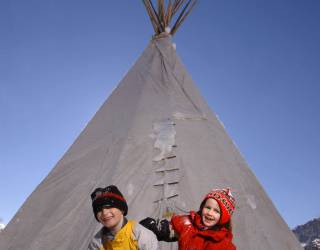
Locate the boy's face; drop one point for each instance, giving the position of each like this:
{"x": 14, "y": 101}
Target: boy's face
{"x": 110, "y": 217}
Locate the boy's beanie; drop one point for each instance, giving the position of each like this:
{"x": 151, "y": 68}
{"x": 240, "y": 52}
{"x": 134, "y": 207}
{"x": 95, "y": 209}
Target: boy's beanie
{"x": 109, "y": 196}
{"x": 226, "y": 203}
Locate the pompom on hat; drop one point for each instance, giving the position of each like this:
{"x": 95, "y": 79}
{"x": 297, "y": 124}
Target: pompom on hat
{"x": 226, "y": 203}
{"x": 108, "y": 197}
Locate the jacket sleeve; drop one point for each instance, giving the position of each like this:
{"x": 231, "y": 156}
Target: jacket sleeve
{"x": 232, "y": 246}
{"x": 180, "y": 224}
{"x": 146, "y": 239}
{"x": 96, "y": 243}
{"x": 93, "y": 246}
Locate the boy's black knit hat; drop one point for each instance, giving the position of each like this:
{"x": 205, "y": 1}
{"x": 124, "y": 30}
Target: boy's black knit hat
{"x": 109, "y": 196}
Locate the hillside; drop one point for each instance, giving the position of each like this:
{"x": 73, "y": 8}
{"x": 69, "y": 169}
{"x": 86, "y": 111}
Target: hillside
{"x": 309, "y": 234}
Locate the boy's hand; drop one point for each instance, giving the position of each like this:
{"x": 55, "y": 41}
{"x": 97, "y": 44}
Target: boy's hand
{"x": 164, "y": 231}
{"x": 151, "y": 224}
{"x": 161, "y": 230}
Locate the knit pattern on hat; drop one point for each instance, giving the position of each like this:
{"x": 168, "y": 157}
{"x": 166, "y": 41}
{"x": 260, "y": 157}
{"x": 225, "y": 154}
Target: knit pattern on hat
{"x": 108, "y": 197}
{"x": 226, "y": 203}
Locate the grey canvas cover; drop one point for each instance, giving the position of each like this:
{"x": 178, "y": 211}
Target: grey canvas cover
{"x": 158, "y": 141}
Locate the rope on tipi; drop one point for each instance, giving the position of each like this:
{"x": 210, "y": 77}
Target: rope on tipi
{"x": 162, "y": 17}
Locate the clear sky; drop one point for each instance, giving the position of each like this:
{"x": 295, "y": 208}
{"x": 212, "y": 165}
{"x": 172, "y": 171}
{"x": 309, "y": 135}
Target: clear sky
{"x": 256, "y": 62}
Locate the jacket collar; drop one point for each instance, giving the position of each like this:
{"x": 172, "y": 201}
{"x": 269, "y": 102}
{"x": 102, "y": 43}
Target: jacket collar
{"x": 108, "y": 235}
{"x": 213, "y": 233}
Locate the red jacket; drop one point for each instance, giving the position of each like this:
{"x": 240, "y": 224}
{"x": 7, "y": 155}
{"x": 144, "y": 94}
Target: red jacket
{"x": 191, "y": 237}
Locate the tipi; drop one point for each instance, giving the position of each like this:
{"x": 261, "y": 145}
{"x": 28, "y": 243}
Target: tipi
{"x": 155, "y": 138}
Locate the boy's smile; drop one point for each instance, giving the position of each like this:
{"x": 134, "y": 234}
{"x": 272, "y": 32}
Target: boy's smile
{"x": 111, "y": 218}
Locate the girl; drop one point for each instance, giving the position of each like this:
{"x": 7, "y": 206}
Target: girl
{"x": 207, "y": 229}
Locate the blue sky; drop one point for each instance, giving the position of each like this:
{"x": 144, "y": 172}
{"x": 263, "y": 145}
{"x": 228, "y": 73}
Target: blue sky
{"x": 256, "y": 62}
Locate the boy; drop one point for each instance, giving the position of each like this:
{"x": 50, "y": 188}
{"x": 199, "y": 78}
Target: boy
{"x": 110, "y": 208}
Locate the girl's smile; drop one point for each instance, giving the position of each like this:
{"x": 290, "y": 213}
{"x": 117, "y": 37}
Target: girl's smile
{"x": 210, "y": 213}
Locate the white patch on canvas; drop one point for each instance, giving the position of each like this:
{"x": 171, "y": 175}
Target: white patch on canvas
{"x": 251, "y": 200}
{"x": 164, "y": 132}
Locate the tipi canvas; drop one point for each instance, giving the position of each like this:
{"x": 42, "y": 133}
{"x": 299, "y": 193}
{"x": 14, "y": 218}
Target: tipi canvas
{"x": 158, "y": 141}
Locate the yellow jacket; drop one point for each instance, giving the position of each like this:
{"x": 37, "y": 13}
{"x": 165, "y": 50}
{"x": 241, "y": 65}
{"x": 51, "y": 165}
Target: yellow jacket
{"x": 132, "y": 236}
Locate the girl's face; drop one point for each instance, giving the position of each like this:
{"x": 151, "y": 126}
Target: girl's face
{"x": 210, "y": 213}
{"x": 110, "y": 217}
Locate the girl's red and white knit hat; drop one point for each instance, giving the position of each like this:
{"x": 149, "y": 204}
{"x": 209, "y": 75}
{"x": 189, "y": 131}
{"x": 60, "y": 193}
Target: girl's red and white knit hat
{"x": 226, "y": 203}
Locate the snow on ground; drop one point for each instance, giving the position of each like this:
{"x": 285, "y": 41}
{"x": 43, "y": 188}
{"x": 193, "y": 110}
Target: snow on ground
{"x": 316, "y": 243}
